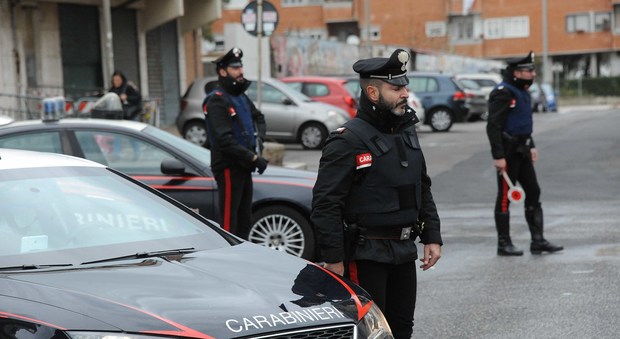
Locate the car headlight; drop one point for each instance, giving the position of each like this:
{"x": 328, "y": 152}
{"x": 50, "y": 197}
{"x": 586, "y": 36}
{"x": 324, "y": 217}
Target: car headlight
{"x": 109, "y": 335}
{"x": 373, "y": 325}
{"x": 336, "y": 117}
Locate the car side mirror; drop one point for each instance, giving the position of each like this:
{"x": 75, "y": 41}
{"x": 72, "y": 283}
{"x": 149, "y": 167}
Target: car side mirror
{"x": 287, "y": 101}
{"x": 172, "y": 167}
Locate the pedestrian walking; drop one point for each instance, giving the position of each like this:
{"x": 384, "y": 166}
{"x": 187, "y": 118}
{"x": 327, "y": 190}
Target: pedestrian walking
{"x": 509, "y": 129}
{"x": 372, "y": 197}
{"x": 235, "y": 128}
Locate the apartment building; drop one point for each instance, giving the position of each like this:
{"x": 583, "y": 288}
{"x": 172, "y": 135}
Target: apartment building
{"x": 578, "y": 38}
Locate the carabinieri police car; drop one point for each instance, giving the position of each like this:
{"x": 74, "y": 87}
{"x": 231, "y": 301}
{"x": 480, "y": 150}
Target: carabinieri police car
{"x": 89, "y": 253}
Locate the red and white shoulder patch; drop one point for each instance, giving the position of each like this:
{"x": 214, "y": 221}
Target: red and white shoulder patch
{"x": 513, "y": 103}
{"x": 363, "y": 160}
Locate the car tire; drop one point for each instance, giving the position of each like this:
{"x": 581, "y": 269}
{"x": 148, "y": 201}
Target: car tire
{"x": 196, "y": 132}
{"x": 440, "y": 119}
{"x": 312, "y": 136}
{"x": 282, "y": 228}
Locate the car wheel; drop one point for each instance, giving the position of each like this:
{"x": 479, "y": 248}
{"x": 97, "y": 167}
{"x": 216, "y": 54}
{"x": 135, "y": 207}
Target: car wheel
{"x": 441, "y": 120}
{"x": 284, "y": 229}
{"x": 312, "y": 135}
{"x": 196, "y": 132}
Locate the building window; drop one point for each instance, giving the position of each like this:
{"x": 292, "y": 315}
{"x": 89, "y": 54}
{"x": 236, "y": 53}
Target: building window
{"x": 435, "y": 29}
{"x": 602, "y": 21}
{"x": 461, "y": 28}
{"x": 578, "y": 23}
{"x": 300, "y": 3}
{"x": 507, "y": 28}
{"x": 616, "y": 18}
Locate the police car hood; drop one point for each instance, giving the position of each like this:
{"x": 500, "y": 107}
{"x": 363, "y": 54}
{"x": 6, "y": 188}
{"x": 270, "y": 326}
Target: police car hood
{"x": 235, "y": 291}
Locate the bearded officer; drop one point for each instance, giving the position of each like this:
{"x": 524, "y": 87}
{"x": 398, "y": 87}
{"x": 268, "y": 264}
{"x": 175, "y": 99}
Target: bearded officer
{"x": 509, "y": 130}
{"x": 371, "y": 191}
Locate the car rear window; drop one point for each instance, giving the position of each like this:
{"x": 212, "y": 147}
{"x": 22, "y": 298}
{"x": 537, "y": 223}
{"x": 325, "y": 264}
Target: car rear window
{"x": 423, "y": 84}
{"x": 316, "y": 90}
{"x": 42, "y": 142}
{"x": 353, "y": 86}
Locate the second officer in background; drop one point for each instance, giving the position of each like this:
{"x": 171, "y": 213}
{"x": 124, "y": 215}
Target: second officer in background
{"x": 371, "y": 190}
{"x": 509, "y": 130}
{"x": 234, "y": 127}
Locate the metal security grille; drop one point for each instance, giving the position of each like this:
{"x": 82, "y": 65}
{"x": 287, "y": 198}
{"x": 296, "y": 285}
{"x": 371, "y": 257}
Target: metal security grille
{"x": 331, "y": 332}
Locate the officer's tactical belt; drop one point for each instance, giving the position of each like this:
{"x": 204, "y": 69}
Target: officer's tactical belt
{"x": 391, "y": 233}
{"x": 517, "y": 139}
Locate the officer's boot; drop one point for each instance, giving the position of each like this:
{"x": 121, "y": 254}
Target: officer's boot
{"x": 504, "y": 244}
{"x": 534, "y": 217}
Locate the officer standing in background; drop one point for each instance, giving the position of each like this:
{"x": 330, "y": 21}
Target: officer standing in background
{"x": 509, "y": 129}
{"x": 371, "y": 191}
{"x": 233, "y": 125}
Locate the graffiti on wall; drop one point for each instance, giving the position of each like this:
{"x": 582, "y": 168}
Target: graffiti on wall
{"x": 295, "y": 56}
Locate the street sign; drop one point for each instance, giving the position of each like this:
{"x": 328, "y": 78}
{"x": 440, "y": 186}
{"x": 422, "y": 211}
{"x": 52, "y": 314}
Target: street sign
{"x": 249, "y": 18}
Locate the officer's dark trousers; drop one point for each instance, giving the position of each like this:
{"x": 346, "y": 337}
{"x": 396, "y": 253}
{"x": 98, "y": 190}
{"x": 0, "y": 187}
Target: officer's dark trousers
{"x": 235, "y": 198}
{"x": 393, "y": 289}
{"x": 521, "y": 168}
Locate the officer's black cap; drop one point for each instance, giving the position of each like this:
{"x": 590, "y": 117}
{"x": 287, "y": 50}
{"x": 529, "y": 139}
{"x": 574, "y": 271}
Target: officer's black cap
{"x": 522, "y": 63}
{"x": 230, "y": 59}
{"x": 392, "y": 70}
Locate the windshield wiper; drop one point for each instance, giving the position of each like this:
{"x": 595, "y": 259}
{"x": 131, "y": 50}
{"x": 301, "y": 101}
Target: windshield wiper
{"x": 141, "y": 255}
{"x": 32, "y": 267}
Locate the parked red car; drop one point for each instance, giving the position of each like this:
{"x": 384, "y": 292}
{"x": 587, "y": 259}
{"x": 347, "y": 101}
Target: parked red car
{"x": 330, "y": 90}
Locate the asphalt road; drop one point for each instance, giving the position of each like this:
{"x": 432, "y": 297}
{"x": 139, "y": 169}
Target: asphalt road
{"x": 473, "y": 293}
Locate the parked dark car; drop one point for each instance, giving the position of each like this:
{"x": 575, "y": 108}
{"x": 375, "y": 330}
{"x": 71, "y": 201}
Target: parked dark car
{"x": 442, "y": 97}
{"x": 282, "y": 197}
{"x": 290, "y": 115}
{"x": 89, "y": 253}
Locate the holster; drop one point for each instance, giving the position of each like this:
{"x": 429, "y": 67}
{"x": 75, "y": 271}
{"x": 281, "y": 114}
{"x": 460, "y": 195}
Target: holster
{"x": 352, "y": 238}
{"x": 517, "y": 145}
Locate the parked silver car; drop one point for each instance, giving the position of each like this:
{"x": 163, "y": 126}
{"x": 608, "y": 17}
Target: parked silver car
{"x": 290, "y": 115}
{"x": 486, "y": 83}
{"x": 475, "y": 99}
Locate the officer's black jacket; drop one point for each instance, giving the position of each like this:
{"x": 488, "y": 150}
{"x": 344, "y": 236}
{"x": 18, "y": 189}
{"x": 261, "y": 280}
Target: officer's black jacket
{"x": 226, "y": 151}
{"x": 499, "y": 105}
{"x": 337, "y": 173}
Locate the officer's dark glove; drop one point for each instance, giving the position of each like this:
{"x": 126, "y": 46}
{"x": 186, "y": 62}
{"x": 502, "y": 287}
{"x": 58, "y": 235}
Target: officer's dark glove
{"x": 261, "y": 164}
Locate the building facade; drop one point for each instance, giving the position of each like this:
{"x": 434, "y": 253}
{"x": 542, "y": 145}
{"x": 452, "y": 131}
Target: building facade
{"x": 71, "y": 48}
{"x": 571, "y": 39}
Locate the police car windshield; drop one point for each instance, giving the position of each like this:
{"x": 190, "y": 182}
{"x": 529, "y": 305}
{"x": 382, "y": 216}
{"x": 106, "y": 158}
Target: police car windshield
{"x": 82, "y": 214}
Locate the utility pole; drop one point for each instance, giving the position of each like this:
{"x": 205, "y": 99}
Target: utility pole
{"x": 108, "y": 46}
{"x": 367, "y": 22}
{"x": 545, "y": 66}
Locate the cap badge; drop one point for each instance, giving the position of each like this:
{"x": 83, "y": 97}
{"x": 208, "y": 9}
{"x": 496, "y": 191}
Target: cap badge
{"x": 236, "y": 51}
{"x": 403, "y": 57}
